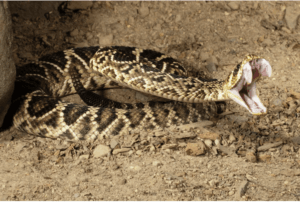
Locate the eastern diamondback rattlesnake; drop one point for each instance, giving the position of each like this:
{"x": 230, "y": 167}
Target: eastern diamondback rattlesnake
{"x": 37, "y": 108}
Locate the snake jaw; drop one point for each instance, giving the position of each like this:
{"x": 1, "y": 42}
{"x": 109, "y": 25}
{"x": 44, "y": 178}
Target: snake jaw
{"x": 244, "y": 92}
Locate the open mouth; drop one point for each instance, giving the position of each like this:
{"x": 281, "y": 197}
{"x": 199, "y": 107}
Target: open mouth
{"x": 244, "y": 92}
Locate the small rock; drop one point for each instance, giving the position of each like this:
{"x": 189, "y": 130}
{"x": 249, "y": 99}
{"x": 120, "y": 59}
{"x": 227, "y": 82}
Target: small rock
{"x": 233, "y": 5}
{"x": 231, "y": 138}
{"x": 242, "y": 189}
{"x": 79, "y": 5}
{"x": 206, "y": 134}
{"x": 106, "y": 40}
{"x": 143, "y": 11}
{"x": 277, "y": 102}
{"x": 195, "y": 149}
{"x": 130, "y": 20}
{"x": 286, "y": 30}
{"x": 213, "y": 183}
{"x": 114, "y": 143}
{"x": 169, "y": 146}
{"x": 208, "y": 192}
{"x": 204, "y": 56}
{"x": 122, "y": 150}
{"x": 268, "y": 42}
{"x": 296, "y": 140}
{"x": 74, "y": 33}
{"x": 101, "y": 150}
{"x": 187, "y": 127}
{"x": 178, "y": 18}
{"x": 139, "y": 152}
{"x": 156, "y": 163}
{"x": 291, "y": 16}
{"x": 264, "y": 157}
{"x": 84, "y": 156}
{"x": 211, "y": 67}
{"x": 231, "y": 193}
{"x": 76, "y": 195}
{"x": 160, "y": 133}
{"x": 135, "y": 168}
{"x": 260, "y": 39}
{"x": 237, "y": 119}
{"x": 89, "y": 35}
{"x": 185, "y": 136}
{"x": 217, "y": 142}
{"x": 213, "y": 59}
{"x": 122, "y": 181}
{"x": 251, "y": 157}
{"x": 208, "y": 143}
{"x": 227, "y": 150}
{"x": 268, "y": 146}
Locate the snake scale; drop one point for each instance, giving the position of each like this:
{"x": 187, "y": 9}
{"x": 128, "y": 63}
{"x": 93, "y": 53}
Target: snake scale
{"x": 37, "y": 107}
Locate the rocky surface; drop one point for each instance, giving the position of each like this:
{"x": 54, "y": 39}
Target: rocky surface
{"x": 233, "y": 157}
{"x": 7, "y": 67}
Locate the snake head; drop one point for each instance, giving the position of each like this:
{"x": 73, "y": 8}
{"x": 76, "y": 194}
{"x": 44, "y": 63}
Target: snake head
{"x": 241, "y": 83}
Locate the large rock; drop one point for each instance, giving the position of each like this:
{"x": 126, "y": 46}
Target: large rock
{"x": 7, "y": 66}
{"x": 34, "y": 9}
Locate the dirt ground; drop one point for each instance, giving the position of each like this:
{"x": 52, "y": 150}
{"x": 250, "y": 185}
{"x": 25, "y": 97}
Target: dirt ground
{"x": 243, "y": 157}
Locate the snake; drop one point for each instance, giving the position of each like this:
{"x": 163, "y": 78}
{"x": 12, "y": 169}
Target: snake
{"x": 37, "y": 106}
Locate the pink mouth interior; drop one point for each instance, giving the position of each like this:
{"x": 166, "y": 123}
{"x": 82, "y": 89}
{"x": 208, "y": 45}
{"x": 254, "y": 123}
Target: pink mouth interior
{"x": 244, "y": 93}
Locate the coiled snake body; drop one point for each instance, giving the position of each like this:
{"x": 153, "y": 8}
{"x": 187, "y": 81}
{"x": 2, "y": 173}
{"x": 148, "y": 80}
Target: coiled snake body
{"x": 37, "y": 108}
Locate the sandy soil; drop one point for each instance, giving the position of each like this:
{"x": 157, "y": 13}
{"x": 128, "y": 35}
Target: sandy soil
{"x": 244, "y": 158}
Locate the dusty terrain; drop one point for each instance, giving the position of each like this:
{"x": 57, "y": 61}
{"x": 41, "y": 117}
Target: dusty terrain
{"x": 245, "y": 157}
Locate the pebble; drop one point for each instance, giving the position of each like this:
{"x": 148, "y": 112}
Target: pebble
{"x": 296, "y": 140}
{"x": 209, "y": 135}
{"x": 143, "y": 11}
{"x": 178, "y": 18}
{"x": 204, "y": 56}
{"x": 89, "y": 35}
{"x": 242, "y": 189}
{"x": 122, "y": 150}
{"x": 101, "y": 150}
{"x": 85, "y": 156}
{"x": 76, "y": 195}
{"x": 231, "y": 138}
{"x": 113, "y": 143}
{"x": 217, "y": 142}
{"x": 76, "y": 5}
{"x": 169, "y": 146}
{"x": 156, "y": 163}
{"x": 264, "y": 157}
{"x": 208, "y": 143}
{"x": 122, "y": 181}
{"x": 106, "y": 40}
{"x": 260, "y": 39}
{"x": 74, "y": 33}
{"x": 286, "y": 30}
{"x": 213, "y": 59}
{"x": 268, "y": 146}
{"x": 233, "y": 5}
{"x": 277, "y": 102}
{"x": 251, "y": 157}
{"x": 237, "y": 119}
{"x": 291, "y": 16}
{"x": 211, "y": 67}
{"x": 227, "y": 150}
{"x": 231, "y": 193}
{"x": 208, "y": 192}
{"x": 268, "y": 42}
{"x": 139, "y": 152}
{"x": 130, "y": 20}
{"x": 213, "y": 183}
{"x": 135, "y": 168}
{"x": 195, "y": 149}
